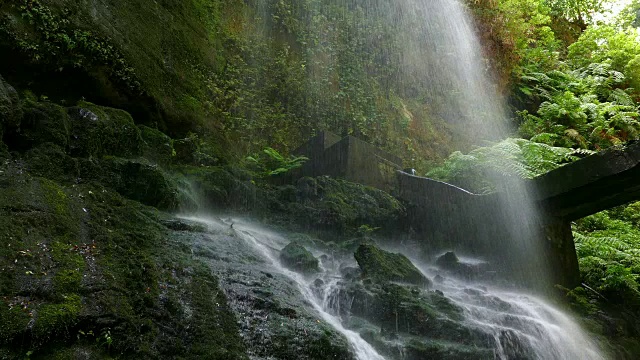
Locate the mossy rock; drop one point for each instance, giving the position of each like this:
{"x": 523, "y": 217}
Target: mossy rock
{"x": 157, "y": 146}
{"x": 418, "y": 350}
{"x": 409, "y": 310}
{"x": 43, "y": 122}
{"x": 135, "y": 180}
{"x": 383, "y": 266}
{"x": 338, "y": 206}
{"x": 10, "y": 110}
{"x": 82, "y": 266}
{"x": 218, "y": 187}
{"x": 197, "y": 151}
{"x": 297, "y": 258}
{"x": 99, "y": 131}
{"x": 50, "y": 161}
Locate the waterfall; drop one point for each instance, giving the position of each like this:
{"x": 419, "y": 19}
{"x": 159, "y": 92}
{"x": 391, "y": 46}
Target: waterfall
{"x": 521, "y": 326}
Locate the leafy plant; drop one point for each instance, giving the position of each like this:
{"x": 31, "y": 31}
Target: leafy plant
{"x": 270, "y": 162}
{"x": 481, "y": 169}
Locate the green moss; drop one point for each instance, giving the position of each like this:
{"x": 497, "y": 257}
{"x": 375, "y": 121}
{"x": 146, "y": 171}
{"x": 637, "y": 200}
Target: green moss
{"x": 217, "y": 342}
{"x": 296, "y": 257}
{"x": 383, "y": 266}
{"x": 13, "y": 320}
{"x": 57, "y": 319}
{"x": 157, "y": 147}
{"x": 10, "y": 110}
{"x": 55, "y": 198}
{"x": 99, "y": 131}
{"x": 136, "y": 180}
{"x": 416, "y": 349}
{"x": 50, "y": 161}
{"x": 336, "y": 206}
{"x": 43, "y": 122}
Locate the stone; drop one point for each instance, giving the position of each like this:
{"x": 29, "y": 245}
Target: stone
{"x": 10, "y": 110}
{"x": 382, "y": 266}
{"x": 465, "y": 270}
{"x": 43, "y": 122}
{"x": 99, "y": 131}
{"x": 133, "y": 179}
{"x": 448, "y": 260}
{"x": 295, "y": 257}
{"x": 157, "y": 146}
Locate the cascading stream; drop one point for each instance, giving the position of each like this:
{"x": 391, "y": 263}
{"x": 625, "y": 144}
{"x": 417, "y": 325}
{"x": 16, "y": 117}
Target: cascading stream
{"x": 522, "y": 326}
{"x": 267, "y": 245}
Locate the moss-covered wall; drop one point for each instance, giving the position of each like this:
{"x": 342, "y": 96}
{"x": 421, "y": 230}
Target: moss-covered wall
{"x": 247, "y": 73}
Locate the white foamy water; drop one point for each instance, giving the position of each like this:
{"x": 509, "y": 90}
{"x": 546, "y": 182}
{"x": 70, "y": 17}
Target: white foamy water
{"x": 267, "y": 244}
{"x": 523, "y": 326}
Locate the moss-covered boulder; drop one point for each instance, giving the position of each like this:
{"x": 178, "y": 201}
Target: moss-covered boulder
{"x": 218, "y": 187}
{"x": 98, "y": 131}
{"x": 10, "y": 110}
{"x": 450, "y": 262}
{"x": 50, "y": 161}
{"x": 383, "y": 266}
{"x": 136, "y": 180}
{"x": 297, "y": 258}
{"x": 43, "y": 122}
{"x": 157, "y": 146}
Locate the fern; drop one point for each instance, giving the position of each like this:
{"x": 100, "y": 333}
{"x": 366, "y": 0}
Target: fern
{"x": 479, "y": 169}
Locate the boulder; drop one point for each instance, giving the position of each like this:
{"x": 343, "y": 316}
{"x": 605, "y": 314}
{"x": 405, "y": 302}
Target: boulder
{"x": 133, "y": 179}
{"x": 295, "y": 257}
{"x": 10, "y": 110}
{"x": 383, "y": 266}
{"x": 43, "y": 122}
{"x": 157, "y": 146}
{"x": 99, "y": 131}
{"x": 465, "y": 270}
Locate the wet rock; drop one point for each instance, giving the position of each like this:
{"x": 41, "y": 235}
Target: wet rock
{"x": 418, "y": 350}
{"x": 351, "y": 273}
{"x": 464, "y": 270}
{"x": 448, "y": 261}
{"x": 383, "y": 266}
{"x": 297, "y": 258}
{"x": 180, "y": 225}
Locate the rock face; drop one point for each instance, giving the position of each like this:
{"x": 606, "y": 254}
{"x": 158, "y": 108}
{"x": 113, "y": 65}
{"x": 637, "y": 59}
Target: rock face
{"x": 297, "y": 258}
{"x": 383, "y": 266}
{"x": 87, "y": 268}
{"x": 9, "y": 106}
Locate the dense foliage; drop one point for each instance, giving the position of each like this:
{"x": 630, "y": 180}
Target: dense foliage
{"x": 575, "y": 89}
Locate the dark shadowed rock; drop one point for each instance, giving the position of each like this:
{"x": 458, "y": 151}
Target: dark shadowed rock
{"x": 448, "y": 261}
{"x": 466, "y": 270}
{"x": 10, "y": 111}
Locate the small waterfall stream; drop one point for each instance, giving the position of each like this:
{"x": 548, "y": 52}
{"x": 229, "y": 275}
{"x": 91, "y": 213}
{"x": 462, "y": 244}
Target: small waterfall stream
{"x": 268, "y": 247}
{"x": 522, "y": 326}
